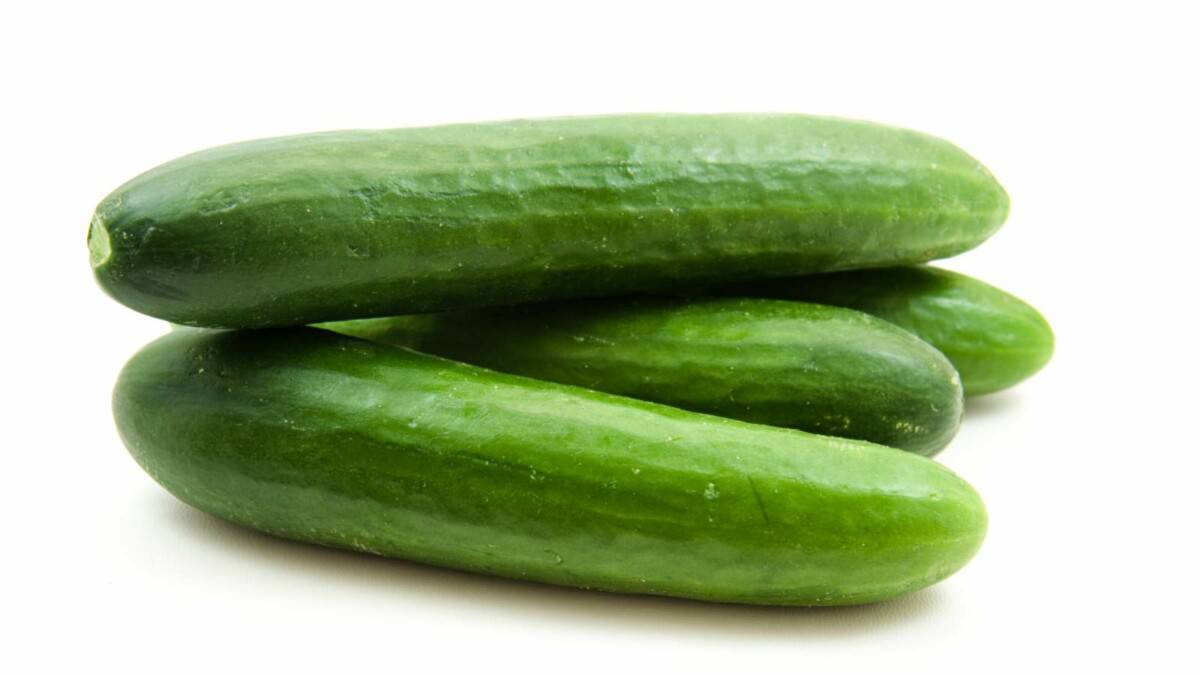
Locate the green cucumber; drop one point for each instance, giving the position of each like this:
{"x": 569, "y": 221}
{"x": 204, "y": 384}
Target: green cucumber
{"x": 323, "y": 438}
{"x": 994, "y": 339}
{"x": 827, "y": 370}
{"x": 353, "y": 224}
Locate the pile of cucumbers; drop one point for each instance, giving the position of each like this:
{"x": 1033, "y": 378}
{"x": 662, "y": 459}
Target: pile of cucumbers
{"x": 685, "y": 355}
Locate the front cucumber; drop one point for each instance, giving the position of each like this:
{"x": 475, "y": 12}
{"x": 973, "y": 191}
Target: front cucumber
{"x": 827, "y": 370}
{"x": 354, "y": 224}
{"x": 328, "y": 439}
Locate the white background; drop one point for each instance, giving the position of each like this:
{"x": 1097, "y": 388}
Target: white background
{"x": 1084, "y": 111}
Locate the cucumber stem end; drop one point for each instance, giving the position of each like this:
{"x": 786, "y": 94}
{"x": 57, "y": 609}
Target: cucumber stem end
{"x": 99, "y": 247}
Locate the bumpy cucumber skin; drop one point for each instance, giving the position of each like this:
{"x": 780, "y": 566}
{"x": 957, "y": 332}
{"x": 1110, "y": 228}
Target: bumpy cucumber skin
{"x": 827, "y": 370}
{"x": 328, "y": 439}
{"x": 354, "y": 224}
{"x": 994, "y": 339}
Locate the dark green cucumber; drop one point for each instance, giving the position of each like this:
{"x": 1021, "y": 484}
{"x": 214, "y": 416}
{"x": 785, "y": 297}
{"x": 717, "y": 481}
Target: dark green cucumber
{"x": 323, "y": 438}
{"x": 827, "y": 370}
{"x": 994, "y": 339}
{"x": 353, "y": 224}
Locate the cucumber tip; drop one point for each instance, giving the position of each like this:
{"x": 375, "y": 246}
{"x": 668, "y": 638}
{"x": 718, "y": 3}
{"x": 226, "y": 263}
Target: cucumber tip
{"x": 99, "y": 246}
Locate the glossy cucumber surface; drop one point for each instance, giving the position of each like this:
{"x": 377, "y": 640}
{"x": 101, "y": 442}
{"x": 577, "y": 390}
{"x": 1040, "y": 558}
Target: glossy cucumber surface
{"x": 322, "y": 438}
{"x": 353, "y": 224}
{"x": 827, "y": 370}
{"x": 993, "y": 338}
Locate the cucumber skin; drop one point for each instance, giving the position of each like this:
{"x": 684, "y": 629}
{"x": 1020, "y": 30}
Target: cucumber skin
{"x": 321, "y": 438}
{"x": 994, "y": 339}
{"x": 826, "y": 370}
{"x": 352, "y": 224}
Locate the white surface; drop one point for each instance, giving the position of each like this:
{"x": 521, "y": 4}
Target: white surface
{"x": 1089, "y": 470}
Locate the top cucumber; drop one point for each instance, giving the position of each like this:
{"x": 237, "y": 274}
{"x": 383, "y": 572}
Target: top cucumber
{"x": 353, "y": 224}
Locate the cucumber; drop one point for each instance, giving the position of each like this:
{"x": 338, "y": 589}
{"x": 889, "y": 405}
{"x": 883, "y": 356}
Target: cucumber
{"x": 827, "y": 370}
{"x": 353, "y": 224}
{"x": 994, "y": 339}
{"x": 323, "y": 438}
